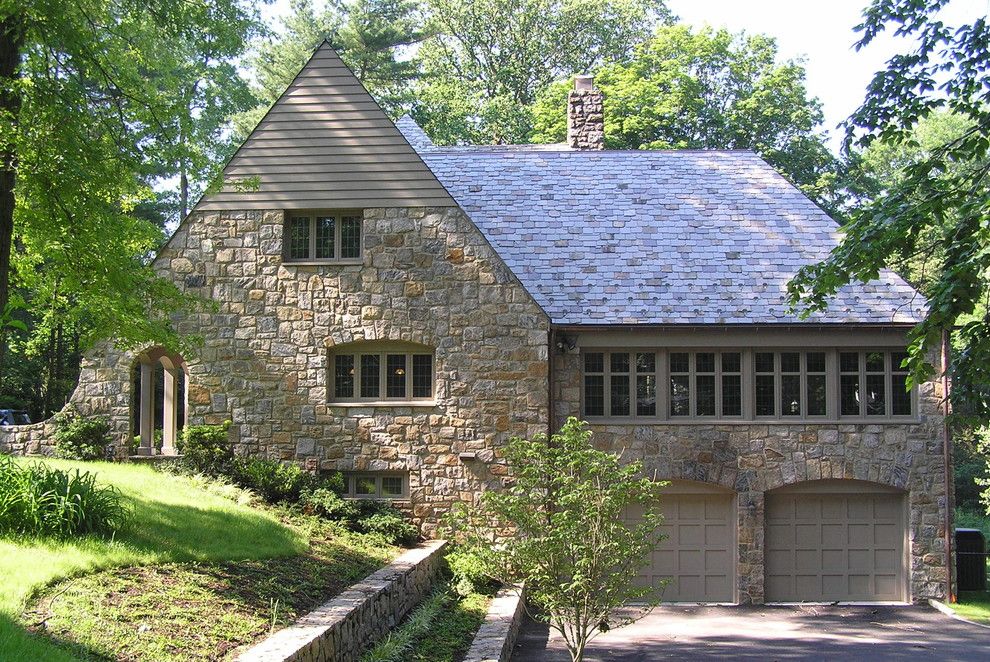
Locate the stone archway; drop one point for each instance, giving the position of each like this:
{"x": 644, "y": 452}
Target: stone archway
{"x": 167, "y": 406}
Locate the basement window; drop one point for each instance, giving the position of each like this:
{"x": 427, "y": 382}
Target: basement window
{"x": 376, "y": 485}
{"x": 323, "y": 237}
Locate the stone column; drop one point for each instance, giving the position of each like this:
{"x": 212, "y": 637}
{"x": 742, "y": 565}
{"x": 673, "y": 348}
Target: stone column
{"x": 171, "y": 410}
{"x": 751, "y": 547}
{"x": 147, "y": 409}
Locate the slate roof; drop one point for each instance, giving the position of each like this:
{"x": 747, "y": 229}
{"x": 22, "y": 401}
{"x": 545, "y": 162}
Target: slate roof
{"x": 653, "y": 237}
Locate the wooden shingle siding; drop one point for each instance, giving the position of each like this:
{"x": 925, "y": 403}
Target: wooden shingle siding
{"x": 326, "y": 144}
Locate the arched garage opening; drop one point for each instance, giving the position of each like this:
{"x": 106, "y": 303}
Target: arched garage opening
{"x": 159, "y": 403}
{"x": 696, "y": 562}
{"x": 836, "y": 540}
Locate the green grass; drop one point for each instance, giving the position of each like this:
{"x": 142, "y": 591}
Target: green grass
{"x": 974, "y": 606}
{"x": 440, "y": 629}
{"x": 172, "y": 521}
{"x": 203, "y": 611}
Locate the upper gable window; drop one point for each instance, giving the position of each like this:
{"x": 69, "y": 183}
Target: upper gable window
{"x": 323, "y": 236}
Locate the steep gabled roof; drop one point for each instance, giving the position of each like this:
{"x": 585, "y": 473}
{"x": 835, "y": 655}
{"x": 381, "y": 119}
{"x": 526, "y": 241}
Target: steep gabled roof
{"x": 656, "y": 237}
{"x": 326, "y": 144}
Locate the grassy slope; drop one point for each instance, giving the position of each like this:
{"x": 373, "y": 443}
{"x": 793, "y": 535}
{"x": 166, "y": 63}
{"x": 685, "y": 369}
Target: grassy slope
{"x": 172, "y": 521}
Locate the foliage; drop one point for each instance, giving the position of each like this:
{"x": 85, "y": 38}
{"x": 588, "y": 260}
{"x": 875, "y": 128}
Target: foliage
{"x": 399, "y": 644}
{"x": 484, "y": 67}
{"x": 206, "y": 449}
{"x": 79, "y": 437}
{"x": 391, "y": 525}
{"x": 934, "y": 210}
{"x": 571, "y": 545}
{"x": 453, "y": 630}
{"x": 469, "y": 572}
{"x": 328, "y": 503}
{"x": 970, "y": 468}
{"x": 37, "y": 500}
{"x": 95, "y": 108}
{"x": 705, "y": 89}
{"x": 272, "y": 480}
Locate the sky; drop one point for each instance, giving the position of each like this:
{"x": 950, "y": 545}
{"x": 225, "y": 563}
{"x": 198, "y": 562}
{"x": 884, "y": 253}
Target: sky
{"x": 820, "y": 33}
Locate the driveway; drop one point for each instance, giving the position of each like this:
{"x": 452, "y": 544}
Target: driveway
{"x": 773, "y": 633}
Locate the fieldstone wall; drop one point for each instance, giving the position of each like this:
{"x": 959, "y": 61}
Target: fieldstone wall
{"x": 497, "y": 634}
{"x": 340, "y": 630}
{"x": 428, "y": 276}
{"x": 754, "y": 458}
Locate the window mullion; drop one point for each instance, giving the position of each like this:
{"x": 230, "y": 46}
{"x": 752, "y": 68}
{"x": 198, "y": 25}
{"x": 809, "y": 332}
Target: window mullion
{"x": 312, "y": 237}
{"x": 633, "y": 386}
{"x": 862, "y": 384}
{"x": 607, "y": 383}
{"x": 382, "y": 377}
{"x": 718, "y": 385}
{"x": 336, "y": 236}
{"x": 409, "y": 377}
{"x": 663, "y": 385}
{"x": 888, "y": 381}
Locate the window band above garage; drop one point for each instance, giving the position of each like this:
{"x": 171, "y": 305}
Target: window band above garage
{"x": 746, "y": 384}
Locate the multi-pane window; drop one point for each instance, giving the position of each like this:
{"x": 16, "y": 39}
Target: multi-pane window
{"x": 697, "y": 384}
{"x": 874, "y": 384}
{"x": 375, "y": 375}
{"x": 790, "y": 384}
{"x": 322, "y": 236}
{"x": 375, "y": 486}
{"x": 746, "y": 384}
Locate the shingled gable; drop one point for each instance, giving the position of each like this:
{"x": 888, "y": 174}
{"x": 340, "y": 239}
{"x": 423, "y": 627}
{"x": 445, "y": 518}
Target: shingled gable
{"x": 326, "y": 144}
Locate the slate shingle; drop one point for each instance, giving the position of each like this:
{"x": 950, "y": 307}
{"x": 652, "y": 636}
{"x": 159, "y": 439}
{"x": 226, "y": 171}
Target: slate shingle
{"x": 654, "y": 237}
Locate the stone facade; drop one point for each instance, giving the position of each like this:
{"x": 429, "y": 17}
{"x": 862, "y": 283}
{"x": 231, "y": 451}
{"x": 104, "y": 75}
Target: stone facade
{"x": 751, "y": 458}
{"x": 428, "y": 276}
{"x": 341, "y": 629}
{"x": 497, "y": 635}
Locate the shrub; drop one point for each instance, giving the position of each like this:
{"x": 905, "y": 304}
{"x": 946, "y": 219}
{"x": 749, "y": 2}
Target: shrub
{"x": 328, "y": 504}
{"x": 383, "y": 519}
{"x": 38, "y": 500}
{"x": 469, "y": 572}
{"x": 79, "y": 437}
{"x": 272, "y": 480}
{"x": 206, "y": 449}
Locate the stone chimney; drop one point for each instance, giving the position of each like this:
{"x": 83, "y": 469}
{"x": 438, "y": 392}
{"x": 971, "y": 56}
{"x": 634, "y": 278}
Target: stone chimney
{"x": 585, "y": 115}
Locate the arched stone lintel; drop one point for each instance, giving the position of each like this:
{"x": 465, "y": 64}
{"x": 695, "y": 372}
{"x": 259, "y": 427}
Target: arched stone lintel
{"x": 378, "y": 333}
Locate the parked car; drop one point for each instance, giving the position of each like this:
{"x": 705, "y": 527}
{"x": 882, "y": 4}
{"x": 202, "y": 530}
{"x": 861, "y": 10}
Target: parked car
{"x": 14, "y": 417}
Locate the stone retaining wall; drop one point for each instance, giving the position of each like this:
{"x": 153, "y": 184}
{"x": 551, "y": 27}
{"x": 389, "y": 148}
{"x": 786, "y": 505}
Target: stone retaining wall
{"x": 34, "y": 439}
{"x": 340, "y": 630}
{"x": 497, "y": 635}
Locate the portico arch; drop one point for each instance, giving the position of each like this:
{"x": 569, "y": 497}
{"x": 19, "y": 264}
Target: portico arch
{"x": 153, "y": 406}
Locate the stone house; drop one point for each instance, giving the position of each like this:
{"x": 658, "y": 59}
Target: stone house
{"x": 397, "y": 310}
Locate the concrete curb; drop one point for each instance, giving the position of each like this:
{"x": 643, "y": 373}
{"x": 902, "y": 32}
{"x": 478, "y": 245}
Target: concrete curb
{"x": 947, "y": 610}
{"x": 497, "y": 635}
{"x": 339, "y": 630}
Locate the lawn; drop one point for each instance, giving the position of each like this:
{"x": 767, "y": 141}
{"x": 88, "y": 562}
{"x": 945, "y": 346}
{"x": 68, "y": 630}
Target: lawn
{"x": 973, "y": 606}
{"x": 77, "y": 587}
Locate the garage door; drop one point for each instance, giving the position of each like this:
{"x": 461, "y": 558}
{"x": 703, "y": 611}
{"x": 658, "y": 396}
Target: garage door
{"x": 843, "y": 541}
{"x": 698, "y": 555}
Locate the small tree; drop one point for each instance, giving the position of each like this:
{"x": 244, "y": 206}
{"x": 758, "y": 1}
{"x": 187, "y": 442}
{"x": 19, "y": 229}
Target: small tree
{"x": 561, "y": 528}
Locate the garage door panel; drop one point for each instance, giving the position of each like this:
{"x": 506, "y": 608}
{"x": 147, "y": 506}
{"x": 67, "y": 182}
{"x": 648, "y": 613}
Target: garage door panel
{"x": 853, "y": 549}
{"x": 698, "y": 556}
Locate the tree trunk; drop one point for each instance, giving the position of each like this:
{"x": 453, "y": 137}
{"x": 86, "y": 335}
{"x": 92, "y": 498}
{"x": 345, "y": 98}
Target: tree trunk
{"x": 11, "y": 41}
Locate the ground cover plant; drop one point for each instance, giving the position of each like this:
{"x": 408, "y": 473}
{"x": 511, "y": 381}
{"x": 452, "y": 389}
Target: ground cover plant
{"x": 172, "y": 520}
{"x": 203, "y": 611}
{"x": 440, "y": 629}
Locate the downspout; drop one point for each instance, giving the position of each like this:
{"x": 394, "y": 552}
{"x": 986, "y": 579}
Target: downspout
{"x": 947, "y": 458}
{"x": 551, "y": 346}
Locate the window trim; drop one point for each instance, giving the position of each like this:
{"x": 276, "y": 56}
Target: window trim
{"x": 748, "y": 385}
{"x": 382, "y": 350}
{"x": 350, "y": 484}
{"x": 312, "y": 215}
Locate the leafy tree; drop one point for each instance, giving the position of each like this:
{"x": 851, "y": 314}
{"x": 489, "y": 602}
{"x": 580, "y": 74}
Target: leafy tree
{"x": 90, "y": 98}
{"x": 369, "y": 35}
{"x": 560, "y": 528}
{"x": 938, "y": 204}
{"x": 484, "y": 64}
{"x": 707, "y": 89}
